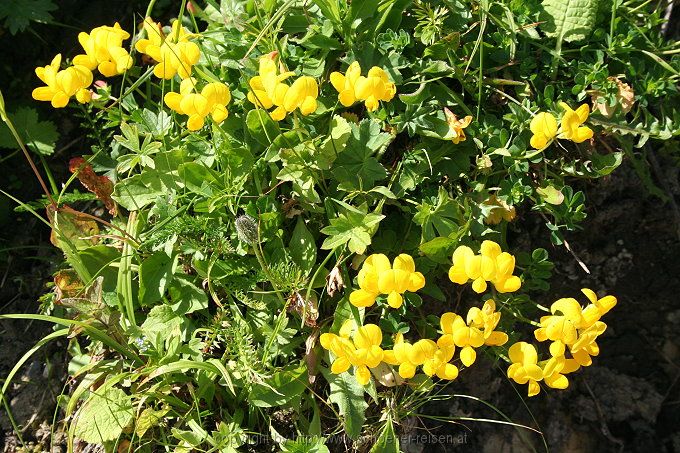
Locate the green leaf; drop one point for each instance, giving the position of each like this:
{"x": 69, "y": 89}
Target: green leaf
{"x": 155, "y": 273}
{"x": 104, "y": 416}
{"x": 356, "y": 167}
{"x": 568, "y": 20}
{"x": 363, "y": 9}
{"x": 438, "y": 248}
{"x": 281, "y": 388}
{"x": 604, "y": 164}
{"x": 354, "y": 227}
{"x": 156, "y": 124}
{"x": 162, "y": 320}
{"x": 19, "y": 13}
{"x": 387, "y": 442}
{"x": 302, "y": 247}
{"x": 348, "y": 395}
{"x": 141, "y": 190}
{"x": 186, "y": 296}
{"x": 261, "y": 127}
{"x": 39, "y": 136}
{"x": 439, "y": 219}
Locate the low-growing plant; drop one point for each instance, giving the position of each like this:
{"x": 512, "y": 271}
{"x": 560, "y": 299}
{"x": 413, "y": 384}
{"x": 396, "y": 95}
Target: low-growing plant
{"x": 297, "y": 195}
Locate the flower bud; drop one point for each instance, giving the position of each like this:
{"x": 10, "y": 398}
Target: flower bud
{"x": 246, "y": 227}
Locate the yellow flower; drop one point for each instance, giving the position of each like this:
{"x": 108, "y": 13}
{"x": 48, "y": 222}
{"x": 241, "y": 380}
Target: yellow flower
{"x": 597, "y": 307}
{"x": 462, "y": 335}
{"x": 487, "y": 319}
{"x": 563, "y": 326}
{"x": 174, "y": 53}
{"x": 374, "y": 88}
{"x": 401, "y": 354}
{"x": 267, "y": 89}
{"x": 377, "y": 277}
{"x": 585, "y": 346}
{"x": 555, "y": 370}
{"x": 576, "y": 329}
{"x": 491, "y": 265}
{"x": 456, "y": 126}
{"x": 302, "y": 94}
{"x": 362, "y": 351}
{"x": 524, "y": 368}
{"x": 572, "y": 121}
{"x": 544, "y": 128}
{"x": 345, "y": 84}
{"x": 212, "y": 100}
{"x": 104, "y": 50}
{"x": 437, "y": 361}
{"x": 62, "y": 84}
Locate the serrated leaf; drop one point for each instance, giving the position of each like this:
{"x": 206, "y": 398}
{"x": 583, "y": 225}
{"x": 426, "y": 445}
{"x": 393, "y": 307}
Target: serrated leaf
{"x": 161, "y": 320}
{"x": 353, "y": 227}
{"x": 568, "y": 20}
{"x": 39, "y": 136}
{"x": 348, "y": 395}
{"x": 356, "y": 166}
{"x": 104, "y": 416}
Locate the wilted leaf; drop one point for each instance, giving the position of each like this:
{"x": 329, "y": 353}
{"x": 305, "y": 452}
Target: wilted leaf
{"x": 72, "y": 226}
{"x": 551, "y": 195}
{"x": 101, "y": 186}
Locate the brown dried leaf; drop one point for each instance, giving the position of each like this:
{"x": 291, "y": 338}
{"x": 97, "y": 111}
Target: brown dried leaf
{"x": 66, "y": 285}
{"x": 334, "y": 282}
{"x": 101, "y": 186}
{"x": 625, "y": 99}
{"x": 73, "y": 226}
{"x": 311, "y": 356}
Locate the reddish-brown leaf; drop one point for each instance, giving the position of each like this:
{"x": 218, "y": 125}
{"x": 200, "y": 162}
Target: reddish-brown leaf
{"x": 101, "y": 186}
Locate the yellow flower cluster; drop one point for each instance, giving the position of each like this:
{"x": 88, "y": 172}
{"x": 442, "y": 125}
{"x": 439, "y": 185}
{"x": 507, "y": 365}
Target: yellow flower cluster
{"x": 361, "y": 347}
{"x": 174, "y": 54}
{"x": 569, "y": 328}
{"x": 490, "y": 265}
{"x": 104, "y": 50}
{"x": 433, "y": 357}
{"x": 372, "y": 89}
{"x": 544, "y": 126}
{"x": 377, "y": 276}
{"x": 62, "y": 84}
{"x": 212, "y": 100}
{"x": 267, "y": 90}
